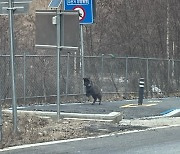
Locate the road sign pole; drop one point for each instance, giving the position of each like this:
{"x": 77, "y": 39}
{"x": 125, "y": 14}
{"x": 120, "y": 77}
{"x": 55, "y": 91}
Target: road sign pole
{"x": 82, "y": 55}
{"x": 58, "y": 63}
{"x": 11, "y": 29}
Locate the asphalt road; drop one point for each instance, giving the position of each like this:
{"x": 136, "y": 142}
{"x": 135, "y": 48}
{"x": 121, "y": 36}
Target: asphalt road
{"x": 155, "y": 141}
{"x": 129, "y": 108}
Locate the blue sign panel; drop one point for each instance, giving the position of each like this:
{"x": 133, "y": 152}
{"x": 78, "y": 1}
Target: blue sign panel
{"x": 85, "y": 8}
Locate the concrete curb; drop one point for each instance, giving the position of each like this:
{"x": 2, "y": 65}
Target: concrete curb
{"x": 114, "y": 117}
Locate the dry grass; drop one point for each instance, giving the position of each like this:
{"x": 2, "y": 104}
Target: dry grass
{"x": 32, "y": 129}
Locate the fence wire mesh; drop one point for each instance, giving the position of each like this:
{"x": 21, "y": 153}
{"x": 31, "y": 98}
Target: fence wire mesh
{"x": 36, "y": 75}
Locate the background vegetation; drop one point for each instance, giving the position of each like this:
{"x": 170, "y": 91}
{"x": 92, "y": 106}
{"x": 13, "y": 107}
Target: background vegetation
{"x": 122, "y": 28}
{"x": 146, "y": 28}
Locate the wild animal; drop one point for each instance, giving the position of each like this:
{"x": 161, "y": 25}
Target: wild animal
{"x": 92, "y": 90}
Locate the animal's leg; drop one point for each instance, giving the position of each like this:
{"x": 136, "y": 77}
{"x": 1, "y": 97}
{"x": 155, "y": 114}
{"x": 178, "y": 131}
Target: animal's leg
{"x": 94, "y": 101}
{"x": 99, "y": 101}
{"x": 88, "y": 98}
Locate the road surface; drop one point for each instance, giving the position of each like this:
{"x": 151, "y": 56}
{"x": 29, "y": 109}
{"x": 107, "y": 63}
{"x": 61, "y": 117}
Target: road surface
{"x": 161, "y": 140}
{"x": 129, "y": 108}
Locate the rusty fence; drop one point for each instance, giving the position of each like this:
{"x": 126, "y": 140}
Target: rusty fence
{"x": 36, "y": 75}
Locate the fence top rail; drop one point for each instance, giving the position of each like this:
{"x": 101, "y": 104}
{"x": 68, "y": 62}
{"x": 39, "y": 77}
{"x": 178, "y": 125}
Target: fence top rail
{"x": 141, "y": 58}
{"x": 104, "y": 56}
{"x": 26, "y": 55}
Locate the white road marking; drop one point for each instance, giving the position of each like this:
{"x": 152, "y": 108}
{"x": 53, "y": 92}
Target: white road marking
{"x": 136, "y": 105}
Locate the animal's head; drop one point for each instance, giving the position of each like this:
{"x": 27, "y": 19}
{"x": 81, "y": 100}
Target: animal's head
{"x": 87, "y": 82}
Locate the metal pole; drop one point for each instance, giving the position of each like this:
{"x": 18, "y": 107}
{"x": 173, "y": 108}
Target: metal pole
{"x": 82, "y": 51}
{"x": 147, "y": 76}
{"x": 82, "y": 55}
{"x": 11, "y": 32}
{"x": 24, "y": 78}
{"x": 168, "y": 82}
{"x": 126, "y": 79}
{"x": 58, "y": 62}
{"x": 67, "y": 75}
{"x": 1, "y": 122}
{"x": 102, "y": 71}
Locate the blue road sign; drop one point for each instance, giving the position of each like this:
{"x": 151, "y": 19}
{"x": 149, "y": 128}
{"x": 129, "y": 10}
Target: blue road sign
{"x": 85, "y": 8}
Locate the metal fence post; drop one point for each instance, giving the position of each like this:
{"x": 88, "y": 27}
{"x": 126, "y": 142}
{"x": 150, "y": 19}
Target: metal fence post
{"x": 102, "y": 71}
{"x": 147, "y": 76}
{"x": 168, "y": 76}
{"x": 67, "y": 75}
{"x": 141, "y": 91}
{"x": 24, "y": 78}
{"x": 126, "y": 78}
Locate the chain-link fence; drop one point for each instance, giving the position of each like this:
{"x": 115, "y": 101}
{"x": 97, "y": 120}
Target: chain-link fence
{"x": 122, "y": 74}
{"x": 36, "y": 75}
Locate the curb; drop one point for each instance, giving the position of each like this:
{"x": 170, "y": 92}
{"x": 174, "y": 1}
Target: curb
{"x": 114, "y": 117}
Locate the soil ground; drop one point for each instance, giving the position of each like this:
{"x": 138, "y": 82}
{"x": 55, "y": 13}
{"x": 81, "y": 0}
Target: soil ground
{"x": 33, "y": 129}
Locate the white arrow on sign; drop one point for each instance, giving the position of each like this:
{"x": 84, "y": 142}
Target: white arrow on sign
{"x": 82, "y": 12}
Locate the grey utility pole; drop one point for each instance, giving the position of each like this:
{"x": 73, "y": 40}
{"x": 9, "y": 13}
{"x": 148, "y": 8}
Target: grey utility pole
{"x": 11, "y": 7}
{"x": 11, "y": 32}
{"x": 58, "y": 61}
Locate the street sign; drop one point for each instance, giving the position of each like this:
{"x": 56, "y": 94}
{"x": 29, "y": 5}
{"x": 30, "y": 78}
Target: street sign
{"x": 18, "y": 8}
{"x": 46, "y": 29}
{"x": 55, "y": 3}
{"x": 85, "y": 7}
